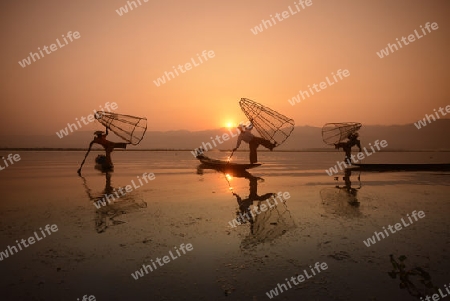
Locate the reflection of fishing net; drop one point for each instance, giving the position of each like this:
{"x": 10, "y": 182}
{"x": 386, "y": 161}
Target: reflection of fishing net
{"x": 270, "y": 125}
{"x": 416, "y": 280}
{"x": 341, "y": 201}
{"x": 333, "y": 133}
{"x": 269, "y": 225}
{"x": 106, "y": 215}
{"x": 107, "y": 211}
{"x": 129, "y": 128}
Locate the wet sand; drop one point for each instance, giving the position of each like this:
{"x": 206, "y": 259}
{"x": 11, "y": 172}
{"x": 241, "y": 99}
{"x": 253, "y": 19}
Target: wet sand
{"x": 95, "y": 250}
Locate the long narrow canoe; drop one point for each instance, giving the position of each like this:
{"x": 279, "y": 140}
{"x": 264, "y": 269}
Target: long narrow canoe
{"x": 403, "y": 167}
{"x": 219, "y": 164}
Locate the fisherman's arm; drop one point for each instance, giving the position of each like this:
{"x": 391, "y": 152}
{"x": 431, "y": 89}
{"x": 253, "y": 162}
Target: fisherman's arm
{"x": 92, "y": 143}
{"x": 238, "y": 143}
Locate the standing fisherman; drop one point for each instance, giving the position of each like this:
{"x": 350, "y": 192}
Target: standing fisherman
{"x": 107, "y": 145}
{"x": 252, "y": 141}
{"x": 347, "y": 146}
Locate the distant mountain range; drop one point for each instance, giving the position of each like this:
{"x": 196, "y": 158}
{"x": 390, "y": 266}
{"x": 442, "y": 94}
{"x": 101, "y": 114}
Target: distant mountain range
{"x": 434, "y": 136}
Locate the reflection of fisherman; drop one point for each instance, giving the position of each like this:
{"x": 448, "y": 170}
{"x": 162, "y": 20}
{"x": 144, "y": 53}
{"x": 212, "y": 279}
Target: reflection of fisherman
{"x": 347, "y": 146}
{"x": 352, "y": 192}
{"x": 107, "y": 145}
{"x": 106, "y": 211}
{"x": 245, "y": 213}
{"x": 252, "y": 141}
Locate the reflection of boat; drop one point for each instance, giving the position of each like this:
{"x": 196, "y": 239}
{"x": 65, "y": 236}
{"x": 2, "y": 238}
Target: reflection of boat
{"x": 224, "y": 165}
{"x": 102, "y": 165}
{"x": 403, "y": 167}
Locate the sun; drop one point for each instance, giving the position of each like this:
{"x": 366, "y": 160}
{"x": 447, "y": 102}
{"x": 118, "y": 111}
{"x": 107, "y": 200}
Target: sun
{"x": 229, "y": 124}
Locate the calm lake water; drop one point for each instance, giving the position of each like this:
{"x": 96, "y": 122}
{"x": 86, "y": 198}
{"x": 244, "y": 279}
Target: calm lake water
{"x": 325, "y": 219}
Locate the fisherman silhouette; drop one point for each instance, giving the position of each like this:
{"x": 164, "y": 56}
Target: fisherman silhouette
{"x": 347, "y": 146}
{"x": 253, "y": 141}
{"x": 109, "y": 146}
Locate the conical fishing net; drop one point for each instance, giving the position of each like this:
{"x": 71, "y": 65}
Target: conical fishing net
{"x": 129, "y": 128}
{"x": 270, "y": 124}
{"x": 333, "y": 133}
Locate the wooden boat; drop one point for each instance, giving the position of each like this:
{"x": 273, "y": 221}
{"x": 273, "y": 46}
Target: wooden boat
{"x": 403, "y": 167}
{"x": 224, "y": 165}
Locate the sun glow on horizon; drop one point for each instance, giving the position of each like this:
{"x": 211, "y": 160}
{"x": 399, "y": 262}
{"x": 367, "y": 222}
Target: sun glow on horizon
{"x": 229, "y": 124}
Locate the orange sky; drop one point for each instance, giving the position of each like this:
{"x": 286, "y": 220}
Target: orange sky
{"x": 117, "y": 58}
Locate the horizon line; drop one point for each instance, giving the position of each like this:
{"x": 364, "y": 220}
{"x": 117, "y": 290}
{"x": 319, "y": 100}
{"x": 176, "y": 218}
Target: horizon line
{"x": 228, "y": 128}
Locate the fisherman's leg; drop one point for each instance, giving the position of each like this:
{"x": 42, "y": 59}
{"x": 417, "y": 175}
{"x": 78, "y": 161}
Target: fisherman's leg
{"x": 120, "y": 145}
{"x": 266, "y": 143}
{"x": 253, "y": 152}
{"x": 348, "y": 157}
{"x": 108, "y": 157}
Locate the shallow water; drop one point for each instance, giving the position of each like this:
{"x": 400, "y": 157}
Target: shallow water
{"x": 325, "y": 219}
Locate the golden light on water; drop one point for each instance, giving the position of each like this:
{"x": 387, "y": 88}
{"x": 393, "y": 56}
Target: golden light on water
{"x": 229, "y": 178}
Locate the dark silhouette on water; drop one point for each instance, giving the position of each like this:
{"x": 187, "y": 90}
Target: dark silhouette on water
{"x": 265, "y": 226}
{"x": 109, "y": 146}
{"x": 105, "y": 215}
{"x": 253, "y": 142}
{"x": 347, "y": 146}
{"x": 224, "y": 166}
{"x": 342, "y": 199}
{"x": 418, "y": 287}
{"x": 244, "y": 213}
{"x": 271, "y": 125}
{"x": 352, "y": 192}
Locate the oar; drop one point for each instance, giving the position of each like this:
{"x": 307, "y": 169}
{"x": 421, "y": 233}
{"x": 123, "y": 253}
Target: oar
{"x": 89, "y": 149}
{"x": 229, "y": 158}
